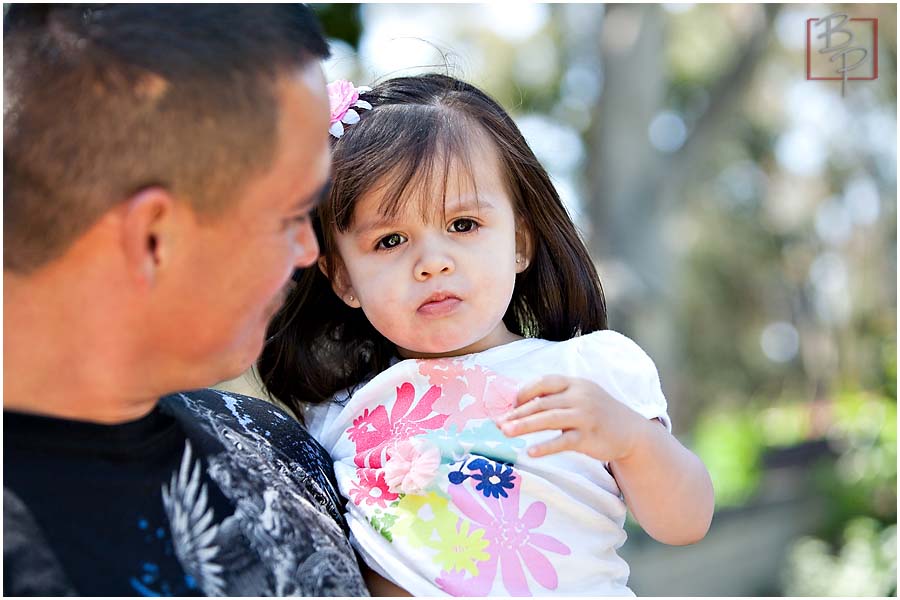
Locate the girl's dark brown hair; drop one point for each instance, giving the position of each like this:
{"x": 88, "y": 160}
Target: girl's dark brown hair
{"x": 317, "y": 345}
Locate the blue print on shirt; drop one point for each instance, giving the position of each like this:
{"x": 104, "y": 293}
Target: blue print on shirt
{"x": 151, "y": 582}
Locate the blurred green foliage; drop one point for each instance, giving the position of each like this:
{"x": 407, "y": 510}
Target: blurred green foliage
{"x": 863, "y": 480}
{"x": 864, "y": 565}
{"x": 854, "y": 552}
{"x": 341, "y": 21}
{"x": 731, "y": 446}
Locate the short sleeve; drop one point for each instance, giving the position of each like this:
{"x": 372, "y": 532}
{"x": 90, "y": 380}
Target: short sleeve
{"x": 318, "y": 418}
{"x": 624, "y": 370}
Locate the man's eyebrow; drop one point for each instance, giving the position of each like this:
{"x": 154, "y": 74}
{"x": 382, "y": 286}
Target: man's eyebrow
{"x": 314, "y": 199}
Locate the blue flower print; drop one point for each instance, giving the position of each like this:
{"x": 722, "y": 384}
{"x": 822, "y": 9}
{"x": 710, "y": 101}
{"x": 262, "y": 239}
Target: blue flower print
{"x": 447, "y": 442}
{"x": 457, "y": 477}
{"x": 488, "y": 440}
{"x": 494, "y": 479}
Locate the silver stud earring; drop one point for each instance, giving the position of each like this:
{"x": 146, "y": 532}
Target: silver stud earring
{"x": 518, "y": 260}
{"x": 351, "y": 298}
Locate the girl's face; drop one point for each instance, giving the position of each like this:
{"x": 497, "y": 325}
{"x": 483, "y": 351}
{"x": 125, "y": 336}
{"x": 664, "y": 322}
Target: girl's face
{"x": 437, "y": 285}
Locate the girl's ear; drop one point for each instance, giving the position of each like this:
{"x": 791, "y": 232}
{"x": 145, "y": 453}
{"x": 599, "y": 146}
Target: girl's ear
{"x": 340, "y": 282}
{"x": 524, "y": 246}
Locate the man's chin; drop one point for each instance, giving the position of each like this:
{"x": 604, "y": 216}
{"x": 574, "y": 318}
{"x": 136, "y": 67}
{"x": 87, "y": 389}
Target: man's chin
{"x": 243, "y": 359}
{"x": 278, "y": 301}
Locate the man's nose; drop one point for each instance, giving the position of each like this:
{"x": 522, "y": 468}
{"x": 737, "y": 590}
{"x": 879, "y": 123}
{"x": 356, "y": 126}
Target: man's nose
{"x": 307, "y": 246}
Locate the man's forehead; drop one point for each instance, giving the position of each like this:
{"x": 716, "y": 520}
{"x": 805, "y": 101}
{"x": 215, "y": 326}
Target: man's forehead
{"x": 310, "y": 76}
{"x": 303, "y": 157}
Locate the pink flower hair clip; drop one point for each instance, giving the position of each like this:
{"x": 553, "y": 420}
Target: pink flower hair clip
{"x": 343, "y": 98}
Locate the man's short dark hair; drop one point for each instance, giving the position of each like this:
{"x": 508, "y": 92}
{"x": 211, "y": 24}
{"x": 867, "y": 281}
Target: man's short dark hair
{"x": 102, "y": 101}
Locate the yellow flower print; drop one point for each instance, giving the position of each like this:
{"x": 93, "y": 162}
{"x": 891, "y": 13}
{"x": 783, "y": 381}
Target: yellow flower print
{"x": 419, "y": 515}
{"x": 460, "y": 551}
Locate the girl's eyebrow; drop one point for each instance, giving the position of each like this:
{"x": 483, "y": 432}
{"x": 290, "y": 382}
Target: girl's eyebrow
{"x": 467, "y": 203}
{"x": 382, "y": 223}
{"x": 464, "y": 204}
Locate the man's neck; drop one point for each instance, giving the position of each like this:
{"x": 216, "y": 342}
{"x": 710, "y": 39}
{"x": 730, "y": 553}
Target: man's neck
{"x": 57, "y": 363}
{"x": 80, "y": 411}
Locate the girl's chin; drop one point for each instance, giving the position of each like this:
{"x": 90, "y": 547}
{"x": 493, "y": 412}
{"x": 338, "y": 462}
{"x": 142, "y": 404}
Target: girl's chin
{"x": 443, "y": 350}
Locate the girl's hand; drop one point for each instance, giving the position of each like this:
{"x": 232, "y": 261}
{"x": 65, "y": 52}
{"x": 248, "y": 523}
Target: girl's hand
{"x": 666, "y": 487}
{"x": 592, "y": 422}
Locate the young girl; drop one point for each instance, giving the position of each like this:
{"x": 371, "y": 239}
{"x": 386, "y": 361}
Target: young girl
{"x": 489, "y": 426}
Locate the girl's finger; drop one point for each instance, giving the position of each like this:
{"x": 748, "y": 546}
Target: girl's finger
{"x": 535, "y": 405}
{"x": 569, "y": 440}
{"x": 556, "y": 418}
{"x": 549, "y": 384}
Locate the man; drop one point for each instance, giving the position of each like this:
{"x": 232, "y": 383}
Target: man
{"x": 160, "y": 163}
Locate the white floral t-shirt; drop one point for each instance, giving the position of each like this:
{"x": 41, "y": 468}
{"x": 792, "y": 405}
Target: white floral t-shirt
{"x": 441, "y": 502}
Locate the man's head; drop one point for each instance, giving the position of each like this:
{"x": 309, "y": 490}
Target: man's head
{"x": 160, "y": 163}
{"x": 103, "y": 101}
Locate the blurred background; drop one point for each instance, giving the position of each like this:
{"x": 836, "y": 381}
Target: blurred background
{"x": 744, "y": 223}
{"x": 743, "y": 220}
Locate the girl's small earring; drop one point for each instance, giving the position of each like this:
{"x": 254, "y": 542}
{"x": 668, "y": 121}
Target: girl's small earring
{"x": 350, "y": 298}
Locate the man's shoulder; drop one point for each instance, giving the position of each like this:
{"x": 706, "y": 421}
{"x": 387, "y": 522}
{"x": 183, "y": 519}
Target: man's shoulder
{"x": 216, "y": 399}
{"x": 258, "y": 435}
{"x": 221, "y": 415}
{"x": 243, "y": 412}
{"x": 29, "y": 565}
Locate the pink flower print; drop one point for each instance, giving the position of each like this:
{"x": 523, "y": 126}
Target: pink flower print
{"x": 442, "y": 371}
{"x": 500, "y": 396}
{"x": 490, "y": 394}
{"x": 450, "y": 375}
{"x": 411, "y": 466}
{"x": 513, "y": 539}
{"x": 371, "y": 489}
{"x": 367, "y": 429}
{"x": 374, "y": 432}
{"x": 456, "y": 583}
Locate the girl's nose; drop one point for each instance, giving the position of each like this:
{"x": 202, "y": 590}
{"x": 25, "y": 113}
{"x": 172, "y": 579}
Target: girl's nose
{"x": 433, "y": 263}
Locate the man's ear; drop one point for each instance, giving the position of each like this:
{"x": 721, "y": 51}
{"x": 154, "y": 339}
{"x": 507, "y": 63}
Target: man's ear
{"x": 340, "y": 281}
{"x": 524, "y": 246}
{"x": 146, "y": 219}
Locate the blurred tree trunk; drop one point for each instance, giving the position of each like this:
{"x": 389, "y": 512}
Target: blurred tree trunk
{"x": 623, "y": 200}
{"x": 631, "y": 47}
{"x": 631, "y": 185}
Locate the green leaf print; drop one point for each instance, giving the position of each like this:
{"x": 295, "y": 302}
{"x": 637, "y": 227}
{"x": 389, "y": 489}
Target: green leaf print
{"x": 382, "y": 524}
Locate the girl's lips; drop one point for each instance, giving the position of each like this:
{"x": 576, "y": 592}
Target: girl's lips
{"x": 440, "y": 308}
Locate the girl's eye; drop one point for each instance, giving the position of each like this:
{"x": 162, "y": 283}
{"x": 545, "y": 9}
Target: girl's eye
{"x": 463, "y": 226}
{"x": 390, "y": 241}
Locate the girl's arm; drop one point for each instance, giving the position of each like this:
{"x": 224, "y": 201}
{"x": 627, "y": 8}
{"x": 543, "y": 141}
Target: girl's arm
{"x": 378, "y": 585}
{"x": 665, "y": 485}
